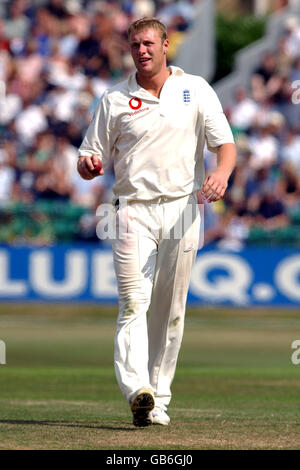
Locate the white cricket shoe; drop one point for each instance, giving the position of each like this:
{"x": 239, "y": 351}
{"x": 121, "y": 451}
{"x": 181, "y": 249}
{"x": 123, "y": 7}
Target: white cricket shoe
{"x": 159, "y": 416}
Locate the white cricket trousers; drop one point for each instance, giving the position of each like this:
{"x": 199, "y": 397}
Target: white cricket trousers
{"x": 153, "y": 259}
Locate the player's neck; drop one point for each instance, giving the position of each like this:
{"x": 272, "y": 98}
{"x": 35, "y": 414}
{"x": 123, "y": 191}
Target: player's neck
{"x": 154, "y": 83}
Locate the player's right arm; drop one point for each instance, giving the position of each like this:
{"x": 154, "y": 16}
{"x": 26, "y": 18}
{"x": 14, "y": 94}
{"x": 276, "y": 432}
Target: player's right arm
{"x": 96, "y": 147}
{"x": 89, "y": 166}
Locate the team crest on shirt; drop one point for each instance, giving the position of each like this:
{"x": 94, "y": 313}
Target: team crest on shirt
{"x": 186, "y": 96}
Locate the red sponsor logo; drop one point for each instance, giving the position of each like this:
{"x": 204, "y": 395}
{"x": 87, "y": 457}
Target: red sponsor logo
{"x": 135, "y": 103}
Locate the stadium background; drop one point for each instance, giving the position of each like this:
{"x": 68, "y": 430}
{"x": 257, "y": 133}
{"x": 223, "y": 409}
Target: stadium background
{"x": 56, "y": 277}
{"x": 56, "y": 60}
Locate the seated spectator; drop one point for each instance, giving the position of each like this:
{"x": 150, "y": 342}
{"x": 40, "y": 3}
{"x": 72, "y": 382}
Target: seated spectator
{"x": 290, "y": 150}
{"x": 264, "y": 147}
{"x": 295, "y": 70}
{"x": 141, "y": 8}
{"x": 17, "y": 25}
{"x": 271, "y": 213}
{"x": 57, "y": 8}
{"x": 87, "y": 193}
{"x": 4, "y": 41}
{"x": 52, "y": 184}
{"x": 285, "y": 104}
{"x": 29, "y": 65}
{"x": 62, "y": 72}
{"x": 183, "y": 8}
{"x": 284, "y": 60}
{"x": 288, "y": 186}
{"x": 176, "y": 34}
{"x": 7, "y": 178}
{"x": 243, "y": 112}
{"x": 43, "y": 147}
{"x": 29, "y": 122}
{"x": 10, "y": 106}
{"x": 238, "y": 188}
{"x": 267, "y": 68}
{"x": 255, "y": 188}
{"x": 231, "y": 231}
{"x": 292, "y": 34}
{"x": 65, "y": 158}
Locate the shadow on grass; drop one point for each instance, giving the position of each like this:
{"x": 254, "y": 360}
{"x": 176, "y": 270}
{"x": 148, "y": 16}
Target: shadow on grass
{"x": 70, "y": 425}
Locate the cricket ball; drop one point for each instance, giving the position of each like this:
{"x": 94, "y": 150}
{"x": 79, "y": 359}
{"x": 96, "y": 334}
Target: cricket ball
{"x": 97, "y": 168}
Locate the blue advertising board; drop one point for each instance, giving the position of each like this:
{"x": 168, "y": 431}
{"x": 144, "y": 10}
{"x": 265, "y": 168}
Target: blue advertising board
{"x": 253, "y": 276}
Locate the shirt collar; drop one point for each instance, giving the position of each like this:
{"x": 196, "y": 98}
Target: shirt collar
{"x": 136, "y": 90}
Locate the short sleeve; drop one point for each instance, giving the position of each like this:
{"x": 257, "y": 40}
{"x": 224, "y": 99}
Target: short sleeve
{"x": 217, "y": 129}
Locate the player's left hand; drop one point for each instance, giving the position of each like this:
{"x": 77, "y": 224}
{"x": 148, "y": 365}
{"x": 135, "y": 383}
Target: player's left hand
{"x": 214, "y": 186}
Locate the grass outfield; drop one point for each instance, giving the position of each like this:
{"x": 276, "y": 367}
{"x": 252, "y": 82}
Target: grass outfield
{"x": 235, "y": 385}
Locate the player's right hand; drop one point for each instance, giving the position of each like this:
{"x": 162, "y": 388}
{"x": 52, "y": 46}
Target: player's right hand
{"x": 89, "y": 167}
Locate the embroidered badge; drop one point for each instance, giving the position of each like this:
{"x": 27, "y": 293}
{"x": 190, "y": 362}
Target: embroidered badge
{"x": 186, "y": 96}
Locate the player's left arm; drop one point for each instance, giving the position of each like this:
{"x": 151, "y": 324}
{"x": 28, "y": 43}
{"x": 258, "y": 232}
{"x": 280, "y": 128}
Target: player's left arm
{"x": 215, "y": 184}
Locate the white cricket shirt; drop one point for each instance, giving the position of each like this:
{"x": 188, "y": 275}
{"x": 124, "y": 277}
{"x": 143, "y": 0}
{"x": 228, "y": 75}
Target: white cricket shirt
{"x": 157, "y": 143}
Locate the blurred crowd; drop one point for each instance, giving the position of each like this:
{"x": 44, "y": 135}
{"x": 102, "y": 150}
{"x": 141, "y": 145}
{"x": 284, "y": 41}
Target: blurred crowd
{"x": 56, "y": 59}
{"x": 264, "y": 190}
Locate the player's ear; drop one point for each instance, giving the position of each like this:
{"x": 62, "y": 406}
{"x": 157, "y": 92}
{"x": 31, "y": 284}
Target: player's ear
{"x": 166, "y": 45}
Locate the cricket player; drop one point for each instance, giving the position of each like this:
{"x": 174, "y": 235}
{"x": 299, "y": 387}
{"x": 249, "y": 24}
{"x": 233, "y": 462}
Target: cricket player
{"x": 154, "y": 126}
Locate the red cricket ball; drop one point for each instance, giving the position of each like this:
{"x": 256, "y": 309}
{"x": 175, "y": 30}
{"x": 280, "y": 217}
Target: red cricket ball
{"x": 97, "y": 168}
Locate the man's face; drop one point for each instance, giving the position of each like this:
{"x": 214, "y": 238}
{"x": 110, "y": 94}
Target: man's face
{"x": 148, "y": 52}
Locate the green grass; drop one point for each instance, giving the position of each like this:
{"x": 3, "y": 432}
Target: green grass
{"x": 235, "y": 386}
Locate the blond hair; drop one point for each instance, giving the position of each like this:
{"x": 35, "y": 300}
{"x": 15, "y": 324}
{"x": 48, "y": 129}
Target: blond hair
{"x": 148, "y": 23}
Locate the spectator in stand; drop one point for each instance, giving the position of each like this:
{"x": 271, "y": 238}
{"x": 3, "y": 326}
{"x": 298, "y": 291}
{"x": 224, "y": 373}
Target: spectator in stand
{"x": 230, "y": 232}
{"x": 56, "y": 60}
{"x": 176, "y": 34}
{"x": 5, "y": 64}
{"x": 244, "y": 111}
{"x": 65, "y": 158}
{"x": 57, "y": 9}
{"x": 285, "y": 102}
{"x": 11, "y": 106}
{"x": 29, "y": 122}
{"x": 87, "y": 195}
{"x": 255, "y": 186}
{"x": 45, "y": 29}
{"x": 290, "y": 150}
{"x": 268, "y": 68}
{"x": 182, "y": 8}
{"x": 264, "y": 147}
{"x": 271, "y": 212}
{"x": 17, "y": 25}
{"x": 283, "y": 59}
{"x": 295, "y": 70}
{"x": 76, "y": 28}
{"x": 4, "y": 41}
{"x": 52, "y": 185}
{"x": 7, "y": 178}
{"x": 292, "y": 35}
{"x": 288, "y": 186}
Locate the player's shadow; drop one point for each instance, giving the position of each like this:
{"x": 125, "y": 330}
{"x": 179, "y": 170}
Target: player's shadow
{"x": 70, "y": 425}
